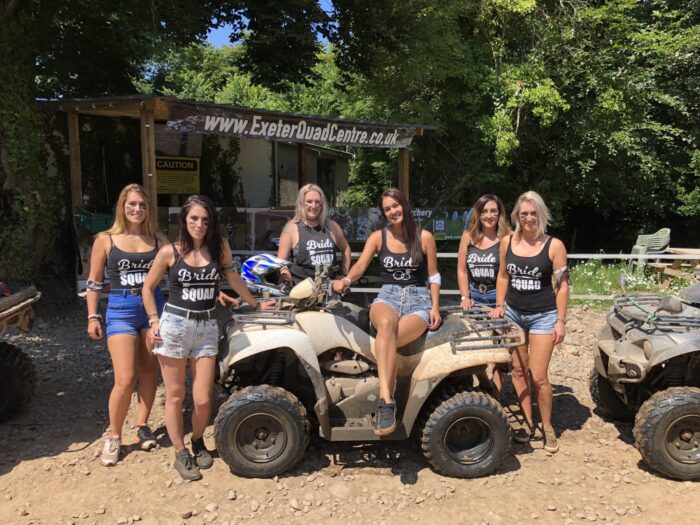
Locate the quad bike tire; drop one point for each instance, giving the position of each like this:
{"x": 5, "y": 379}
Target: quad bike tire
{"x": 667, "y": 432}
{"x": 607, "y": 400}
{"x": 465, "y": 435}
{"x": 261, "y": 431}
{"x": 17, "y": 380}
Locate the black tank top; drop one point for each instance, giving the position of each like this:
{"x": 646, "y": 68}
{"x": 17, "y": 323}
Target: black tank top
{"x": 315, "y": 246}
{"x": 530, "y": 281}
{"x": 128, "y": 270}
{"x": 483, "y": 264}
{"x": 398, "y": 268}
{"x": 191, "y": 287}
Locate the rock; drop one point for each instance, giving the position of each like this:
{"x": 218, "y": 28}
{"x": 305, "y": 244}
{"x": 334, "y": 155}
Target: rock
{"x": 185, "y": 515}
{"x": 169, "y": 483}
{"x": 551, "y": 507}
{"x": 340, "y": 490}
{"x": 100, "y": 510}
{"x": 122, "y": 521}
{"x": 136, "y": 517}
{"x": 254, "y": 505}
{"x": 211, "y": 507}
{"x": 294, "y": 504}
{"x": 231, "y": 495}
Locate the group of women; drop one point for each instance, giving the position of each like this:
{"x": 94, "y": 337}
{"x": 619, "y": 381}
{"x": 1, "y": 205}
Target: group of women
{"x": 144, "y": 331}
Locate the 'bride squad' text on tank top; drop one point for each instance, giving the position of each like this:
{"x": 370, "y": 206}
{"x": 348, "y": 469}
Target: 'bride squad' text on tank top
{"x": 483, "y": 264}
{"x": 315, "y": 247}
{"x": 530, "y": 281}
{"x": 192, "y": 287}
{"x": 128, "y": 270}
{"x": 399, "y": 269}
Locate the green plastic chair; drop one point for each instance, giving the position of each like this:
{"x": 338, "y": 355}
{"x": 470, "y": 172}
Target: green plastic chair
{"x": 650, "y": 243}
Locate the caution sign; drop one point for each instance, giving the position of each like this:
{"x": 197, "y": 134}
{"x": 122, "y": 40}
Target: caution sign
{"x": 177, "y": 175}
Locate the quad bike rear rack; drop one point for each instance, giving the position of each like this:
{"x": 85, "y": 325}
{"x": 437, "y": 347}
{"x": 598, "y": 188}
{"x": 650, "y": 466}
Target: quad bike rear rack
{"x": 663, "y": 321}
{"x": 487, "y": 333}
{"x": 16, "y": 311}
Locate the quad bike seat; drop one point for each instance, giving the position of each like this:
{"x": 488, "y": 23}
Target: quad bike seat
{"x": 452, "y": 326}
{"x": 355, "y": 314}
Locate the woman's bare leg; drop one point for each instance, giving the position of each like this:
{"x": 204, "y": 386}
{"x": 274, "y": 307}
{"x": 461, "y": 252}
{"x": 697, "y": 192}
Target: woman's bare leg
{"x": 173, "y": 372}
{"x": 541, "y": 348}
{"x": 123, "y": 349}
{"x": 202, "y": 370}
{"x": 386, "y": 321}
{"x": 148, "y": 380}
{"x": 520, "y": 385}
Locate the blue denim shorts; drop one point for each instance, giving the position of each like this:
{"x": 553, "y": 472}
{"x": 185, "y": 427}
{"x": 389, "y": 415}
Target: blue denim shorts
{"x": 485, "y": 298}
{"x": 407, "y": 300}
{"x": 536, "y": 324}
{"x": 126, "y": 314}
{"x": 184, "y": 338}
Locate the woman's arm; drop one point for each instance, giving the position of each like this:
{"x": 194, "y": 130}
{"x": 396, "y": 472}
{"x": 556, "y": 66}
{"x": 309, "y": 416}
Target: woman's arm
{"x": 372, "y": 246}
{"x": 164, "y": 259}
{"x": 287, "y": 241}
{"x": 98, "y": 259}
{"x": 501, "y": 280}
{"x": 430, "y": 251}
{"x": 562, "y": 287}
{"x": 463, "y": 272}
{"x": 233, "y": 279}
{"x": 343, "y": 245}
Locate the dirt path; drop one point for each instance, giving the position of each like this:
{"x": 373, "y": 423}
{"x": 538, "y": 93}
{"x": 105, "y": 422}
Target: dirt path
{"x": 50, "y": 470}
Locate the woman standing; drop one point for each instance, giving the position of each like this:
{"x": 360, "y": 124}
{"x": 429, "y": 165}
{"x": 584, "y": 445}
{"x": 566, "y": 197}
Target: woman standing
{"x": 524, "y": 292}
{"x": 127, "y": 250}
{"x": 404, "y": 308}
{"x": 188, "y": 330}
{"x": 311, "y": 237}
{"x": 478, "y": 259}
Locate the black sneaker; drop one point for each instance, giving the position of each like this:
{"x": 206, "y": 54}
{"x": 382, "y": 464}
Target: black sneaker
{"x": 522, "y": 435}
{"x": 186, "y": 466}
{"x": 146, "y": 438}
{"x": 386, "y": 418}
{"x": 202, "y": 457}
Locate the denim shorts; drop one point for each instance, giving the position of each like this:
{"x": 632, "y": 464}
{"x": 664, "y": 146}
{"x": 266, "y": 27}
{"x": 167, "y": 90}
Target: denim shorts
{"x": 485, "y": 298}
{"x": 406, "y": 300}
{"x": 536, "y": 324}
{"x": 184, "y": 338}
{"x": 126, "y": 313}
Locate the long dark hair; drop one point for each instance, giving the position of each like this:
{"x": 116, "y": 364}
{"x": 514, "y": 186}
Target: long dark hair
{"x": 213, "y": 239}
{"x": 474, "y": 229}
{"x": 411, "y": 232}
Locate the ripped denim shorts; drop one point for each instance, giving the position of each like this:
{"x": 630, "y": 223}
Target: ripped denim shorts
{"x": 406, "y": 300}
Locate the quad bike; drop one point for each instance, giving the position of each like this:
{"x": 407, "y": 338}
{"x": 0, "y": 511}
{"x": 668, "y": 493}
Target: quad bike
{"x": 17, "y": 375}
{"x": 647, "y": 370}
{"x": 311, "y": 362}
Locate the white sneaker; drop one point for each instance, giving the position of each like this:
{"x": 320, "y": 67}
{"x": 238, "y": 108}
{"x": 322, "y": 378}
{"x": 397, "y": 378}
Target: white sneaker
{"x": 110, "y": 452}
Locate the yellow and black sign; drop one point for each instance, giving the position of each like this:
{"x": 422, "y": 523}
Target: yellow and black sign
{"x": 177, "y": 175}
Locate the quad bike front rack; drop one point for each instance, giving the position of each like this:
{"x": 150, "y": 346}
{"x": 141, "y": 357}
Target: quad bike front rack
{"x": 265, "y": 317}
{"x": 656, "y": 319}
{"x": 485, "y": 333}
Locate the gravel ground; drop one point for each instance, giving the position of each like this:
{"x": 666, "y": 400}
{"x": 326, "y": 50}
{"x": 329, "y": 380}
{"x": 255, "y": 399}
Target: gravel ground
{"x": 50, "y": 470}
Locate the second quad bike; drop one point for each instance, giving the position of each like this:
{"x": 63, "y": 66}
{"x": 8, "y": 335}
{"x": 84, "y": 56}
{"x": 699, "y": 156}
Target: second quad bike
{"x": 311, "y": 363}
{"x": 17, "y": 375}
{"x": 647, "y": 370}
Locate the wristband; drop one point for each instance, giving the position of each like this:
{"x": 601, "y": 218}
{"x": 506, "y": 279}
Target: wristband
{"x": 94, "y": 317}
{"x": 562, "y": 319}
{"x": 151, "y": 316}
{"x": 465, "y": 297}
{"x": 348, "y": 279}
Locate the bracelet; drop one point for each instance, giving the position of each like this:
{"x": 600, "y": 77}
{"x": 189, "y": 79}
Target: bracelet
{"x": 348, "y": 279}
{"x": 465, "y": 297}
{"x": 562, "y": 319}
{"x": 94, "y": 317}
{"x": 151, "y": 316}
{"x": 499, "y": 306}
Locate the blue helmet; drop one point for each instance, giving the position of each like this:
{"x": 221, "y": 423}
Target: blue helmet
{"x": 262, "y": 273}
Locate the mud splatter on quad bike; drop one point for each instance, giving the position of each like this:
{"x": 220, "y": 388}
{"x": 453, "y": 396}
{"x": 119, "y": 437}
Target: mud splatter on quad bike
{"x": 647, "y": 370}
{"x": 17, "y": 375}
{"x": 312, "y": 362}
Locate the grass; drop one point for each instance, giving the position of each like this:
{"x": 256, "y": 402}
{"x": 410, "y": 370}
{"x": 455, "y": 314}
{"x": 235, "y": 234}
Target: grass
{"x": 594, "y": 277}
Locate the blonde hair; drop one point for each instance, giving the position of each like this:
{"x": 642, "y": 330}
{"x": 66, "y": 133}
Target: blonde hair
{"x": 119, "y": 225}
{"x": 475, "y": 230}
{"x": 300, "y": 213}
{"x": 543, "y": 216}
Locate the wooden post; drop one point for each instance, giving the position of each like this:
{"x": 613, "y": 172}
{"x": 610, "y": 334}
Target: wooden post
{"x": 403, "y": 171}
{"x": 76, "y": 180}
{"x": 148, "y": 162}
{"x": 301, "y": 175}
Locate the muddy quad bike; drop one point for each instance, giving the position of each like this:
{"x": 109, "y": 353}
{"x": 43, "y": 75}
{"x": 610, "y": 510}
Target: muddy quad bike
{"x": 312, "y": 362}
{"x": 17, "y": 375}
{"x": 647, "y": 363}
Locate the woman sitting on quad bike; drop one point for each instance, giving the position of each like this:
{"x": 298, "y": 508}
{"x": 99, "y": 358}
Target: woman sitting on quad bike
{"x": 404, "y": 308}
{"x": 311, "y": 238}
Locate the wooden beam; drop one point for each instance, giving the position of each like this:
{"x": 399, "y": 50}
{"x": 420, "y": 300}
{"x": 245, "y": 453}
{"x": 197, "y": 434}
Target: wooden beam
{"x": 403, "y": 172}
{"x": 301, "y": 175}
{"x": 148, "y": 162}
{"x": 76, "y": 180}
